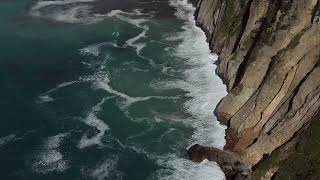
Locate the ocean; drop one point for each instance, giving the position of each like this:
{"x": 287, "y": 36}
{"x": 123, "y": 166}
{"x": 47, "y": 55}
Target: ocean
{"x": 106, "y": 90}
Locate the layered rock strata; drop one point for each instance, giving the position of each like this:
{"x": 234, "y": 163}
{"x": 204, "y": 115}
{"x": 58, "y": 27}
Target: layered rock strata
{"x": 269, "y": 58}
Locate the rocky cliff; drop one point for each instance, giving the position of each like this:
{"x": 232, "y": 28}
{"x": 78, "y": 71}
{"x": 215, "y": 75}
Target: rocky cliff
{"x": 269, "y": 58}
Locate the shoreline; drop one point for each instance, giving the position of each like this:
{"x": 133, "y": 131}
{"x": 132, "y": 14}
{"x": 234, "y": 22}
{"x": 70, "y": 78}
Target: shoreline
{"x": 230, "y": 163}
{"x": 269, "y": 61}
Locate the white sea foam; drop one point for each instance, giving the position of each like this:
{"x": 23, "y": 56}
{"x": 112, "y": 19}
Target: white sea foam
{"x": 44, "y": 3}
{"x": 183, "y": 169}
{"x": 138, "y": 46}
{"x": 77, "y": 11}
{"x": 138, "y": 22}
{"x": 50, "y": 158}
{"x": 91, "y": 49}
{"x": 123, "y": 16}
{"x": 134, "y": 147}
{"x": 94, "y": 49}
{"x": 4, "y": 140}
{"x": 107, "y": 169}
{"x": 100, "y": 80}
{"x": 93, "y": 121}
{"x": 86, "y": 64}
{"x": 205, "y": 90}
{"x": 45, "y": 97}
{"x": 135, "y": 69}
{"x": 99, "y": 76}
{"x": 135, "y": 18}
{"x": 105, "y": 85}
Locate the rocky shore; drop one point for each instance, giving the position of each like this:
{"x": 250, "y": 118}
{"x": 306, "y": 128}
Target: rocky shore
{"x": 269, "y": 58}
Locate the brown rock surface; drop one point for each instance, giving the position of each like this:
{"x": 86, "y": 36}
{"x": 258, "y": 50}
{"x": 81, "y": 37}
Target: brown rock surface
{"x": 229, "y": 162}
{"x": 269, "y": 53}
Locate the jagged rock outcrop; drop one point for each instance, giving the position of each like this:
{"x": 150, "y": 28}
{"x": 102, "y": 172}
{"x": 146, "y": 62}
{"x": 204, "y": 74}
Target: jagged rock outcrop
{"x": 229, "y": 162}
{"x": 269, "y": 58}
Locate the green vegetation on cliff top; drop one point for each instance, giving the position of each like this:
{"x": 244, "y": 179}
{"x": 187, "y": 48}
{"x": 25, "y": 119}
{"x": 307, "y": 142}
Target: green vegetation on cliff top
{"x": 303, "y": 161}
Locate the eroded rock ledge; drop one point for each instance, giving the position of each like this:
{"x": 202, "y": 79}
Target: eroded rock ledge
{"x": 229, "y": 162}
{"x": 269, "y": 58}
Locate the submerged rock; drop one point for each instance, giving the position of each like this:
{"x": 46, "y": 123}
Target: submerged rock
{"x": 229, "y": 162}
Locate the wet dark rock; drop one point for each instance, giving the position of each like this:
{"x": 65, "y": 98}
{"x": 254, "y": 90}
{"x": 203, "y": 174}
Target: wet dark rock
{"x": 229, "y": 162}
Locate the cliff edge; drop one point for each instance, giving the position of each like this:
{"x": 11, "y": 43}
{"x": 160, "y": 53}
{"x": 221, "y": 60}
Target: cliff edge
{"x": 269, "y": 58}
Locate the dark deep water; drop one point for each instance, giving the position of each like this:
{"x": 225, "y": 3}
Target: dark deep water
{"x": 89, "y": 93}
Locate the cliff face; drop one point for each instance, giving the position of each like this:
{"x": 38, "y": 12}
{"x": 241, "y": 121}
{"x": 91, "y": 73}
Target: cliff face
{"x": 269, "y": 53}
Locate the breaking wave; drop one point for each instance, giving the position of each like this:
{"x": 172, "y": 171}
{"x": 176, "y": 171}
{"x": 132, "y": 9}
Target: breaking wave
{"x": 205, "y": 90}
{"x": 204, "y": 87}
{"x": 184, "y": 169}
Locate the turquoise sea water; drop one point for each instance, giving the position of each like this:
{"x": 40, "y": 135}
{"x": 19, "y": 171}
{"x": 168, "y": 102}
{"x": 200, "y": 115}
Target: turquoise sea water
{"x": 104, "y": 96}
